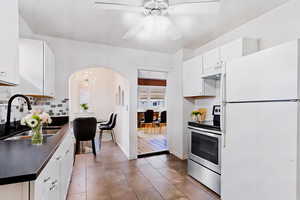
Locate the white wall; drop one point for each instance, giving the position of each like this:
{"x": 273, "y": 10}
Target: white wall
{"x": 280, "y": 25}
{"x": 25, "y": 30}
{"x": 209, "y": 102}
{"x": 178, "y": 108}
{"x": 100, "y": 89}
{"x": 72, "y": 56}
{"x": 122, "y": 110}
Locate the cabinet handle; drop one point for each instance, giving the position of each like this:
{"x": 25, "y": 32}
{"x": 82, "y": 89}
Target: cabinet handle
{"x": 54, "y": 182}
{"x": 47, "y": 179}
{"x": 58, "y": 158}
{"x": 52, "y": 187}
{"x": 3, "y": 74}
{"x": 67, "y": 151}
{"x": 219, "y": 65}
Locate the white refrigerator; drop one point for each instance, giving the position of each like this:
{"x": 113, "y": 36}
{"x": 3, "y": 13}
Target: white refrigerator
{"x": 260, "y": 155}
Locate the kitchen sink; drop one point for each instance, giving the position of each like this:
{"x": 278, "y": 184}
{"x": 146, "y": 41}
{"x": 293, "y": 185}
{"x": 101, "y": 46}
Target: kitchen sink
{"x": 27, "y": 135}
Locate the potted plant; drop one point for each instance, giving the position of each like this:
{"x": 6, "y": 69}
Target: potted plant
{"x": 195, "y": 115}
{"x": 84, "y": 106}
{"x": 35, "y": 121}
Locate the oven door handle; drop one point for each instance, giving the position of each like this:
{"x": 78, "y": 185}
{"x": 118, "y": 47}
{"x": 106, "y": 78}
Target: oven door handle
{"x": 205, "y": 133}
{"x": 189, "y": 143}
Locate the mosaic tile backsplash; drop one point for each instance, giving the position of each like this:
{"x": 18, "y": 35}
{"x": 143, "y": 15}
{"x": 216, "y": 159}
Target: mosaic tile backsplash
{"x": 54, "y": 107}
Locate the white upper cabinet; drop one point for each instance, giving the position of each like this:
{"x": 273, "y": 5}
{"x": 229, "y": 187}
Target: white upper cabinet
{"x": 211, "y": 61}
{"x": 49, "y": 71}
{"x": 215, "y": 60}
{"x": 37, "y": 68}
{"x": 31, "y": 67}
{"x": 9, "y": 36}
{"x": 193, "y": 84}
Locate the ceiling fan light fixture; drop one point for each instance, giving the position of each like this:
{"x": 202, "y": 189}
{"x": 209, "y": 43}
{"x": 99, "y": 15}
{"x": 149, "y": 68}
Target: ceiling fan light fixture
{"x": 156, "y": 7}
{"x": 157, "y": 24}
{"x": 154, "y": 27}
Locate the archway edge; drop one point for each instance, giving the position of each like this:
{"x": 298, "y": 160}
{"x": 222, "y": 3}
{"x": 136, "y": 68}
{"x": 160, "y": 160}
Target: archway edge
{"x": 98, "y": 67}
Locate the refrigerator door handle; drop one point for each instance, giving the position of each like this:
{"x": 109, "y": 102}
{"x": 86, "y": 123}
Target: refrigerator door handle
{"x": 223, "y": 84}
{"x": 223, "y": 108}
{"x": 224, "y": 124}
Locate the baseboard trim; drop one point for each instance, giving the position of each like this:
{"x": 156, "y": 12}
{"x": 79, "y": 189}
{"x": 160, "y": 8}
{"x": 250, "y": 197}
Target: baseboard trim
{"x": 153, "y": 154}
{"x": 180, "y": 156}
{"x": 122, "y": 149}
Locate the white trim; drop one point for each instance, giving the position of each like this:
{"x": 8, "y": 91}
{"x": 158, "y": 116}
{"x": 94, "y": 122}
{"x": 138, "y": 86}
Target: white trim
{"x": 179, "y": 155}
{"x": 129, "y": 157}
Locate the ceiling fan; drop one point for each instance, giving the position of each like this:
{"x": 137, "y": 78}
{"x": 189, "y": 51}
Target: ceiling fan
{"x": 156, "y": 21}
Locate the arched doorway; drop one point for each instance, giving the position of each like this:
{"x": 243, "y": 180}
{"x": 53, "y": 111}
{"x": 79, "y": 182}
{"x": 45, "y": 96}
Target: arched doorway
{"x": 103, "y": 91}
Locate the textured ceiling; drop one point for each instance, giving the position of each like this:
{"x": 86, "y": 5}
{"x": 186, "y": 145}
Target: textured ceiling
{"x": 82, "y": 20}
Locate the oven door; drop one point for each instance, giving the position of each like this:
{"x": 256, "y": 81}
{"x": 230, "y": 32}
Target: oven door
{"x": 205, "y": 148}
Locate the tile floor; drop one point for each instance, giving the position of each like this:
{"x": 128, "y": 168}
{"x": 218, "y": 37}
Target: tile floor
{"x": 110, "y": 176}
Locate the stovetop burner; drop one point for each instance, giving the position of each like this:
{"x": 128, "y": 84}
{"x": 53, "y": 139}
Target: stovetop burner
{"x": 205, "y": 125}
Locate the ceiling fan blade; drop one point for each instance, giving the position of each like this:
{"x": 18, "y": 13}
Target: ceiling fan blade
{"x": 173, "y": 32}
{"x": 194, "y": 7}
{"x": 133, "y": 6}
{"x": 135, "y": 30}
{"x": 154, "y": 27}
{"x": 178, "y": 2}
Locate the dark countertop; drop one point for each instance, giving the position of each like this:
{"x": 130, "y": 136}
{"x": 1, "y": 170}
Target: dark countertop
{"x": 20, "y": 161}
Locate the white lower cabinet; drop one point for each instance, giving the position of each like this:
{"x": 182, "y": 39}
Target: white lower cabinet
{"x": 53, "y": 182}
{"x": 17, "y": 191}
{"x": 65, "y": 170}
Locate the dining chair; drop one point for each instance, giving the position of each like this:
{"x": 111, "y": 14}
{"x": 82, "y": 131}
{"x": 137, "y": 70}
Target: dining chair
{"x": 110, "y": 128}
{"x": 148, "y": 120}
{"x": 85, "y": 130}
{"x": 109, "y": 121}
{"x": 163, "y": 120}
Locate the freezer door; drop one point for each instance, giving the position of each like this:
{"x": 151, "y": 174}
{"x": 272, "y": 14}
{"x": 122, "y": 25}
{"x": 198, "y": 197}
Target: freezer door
{"x": 259, "y": 160}
{"x": 271, "y": 74}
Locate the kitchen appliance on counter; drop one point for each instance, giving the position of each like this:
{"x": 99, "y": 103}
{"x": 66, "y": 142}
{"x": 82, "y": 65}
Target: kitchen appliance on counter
{"x": 205, "y": 142}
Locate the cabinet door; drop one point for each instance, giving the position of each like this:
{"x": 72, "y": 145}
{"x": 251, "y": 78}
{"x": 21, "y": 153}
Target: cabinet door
{"x": 9, "y": 37}
{"x": 192, "y": 81}
{"x": 211, "y": 61}
{"x": 31, "y": 67}
{"x": 49, "y": 71}
{"x": 17, "y": 191}
{"x": 42, "y": 184}
{"x": 66, "y": 166}
{"x": 54, "y": 186}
